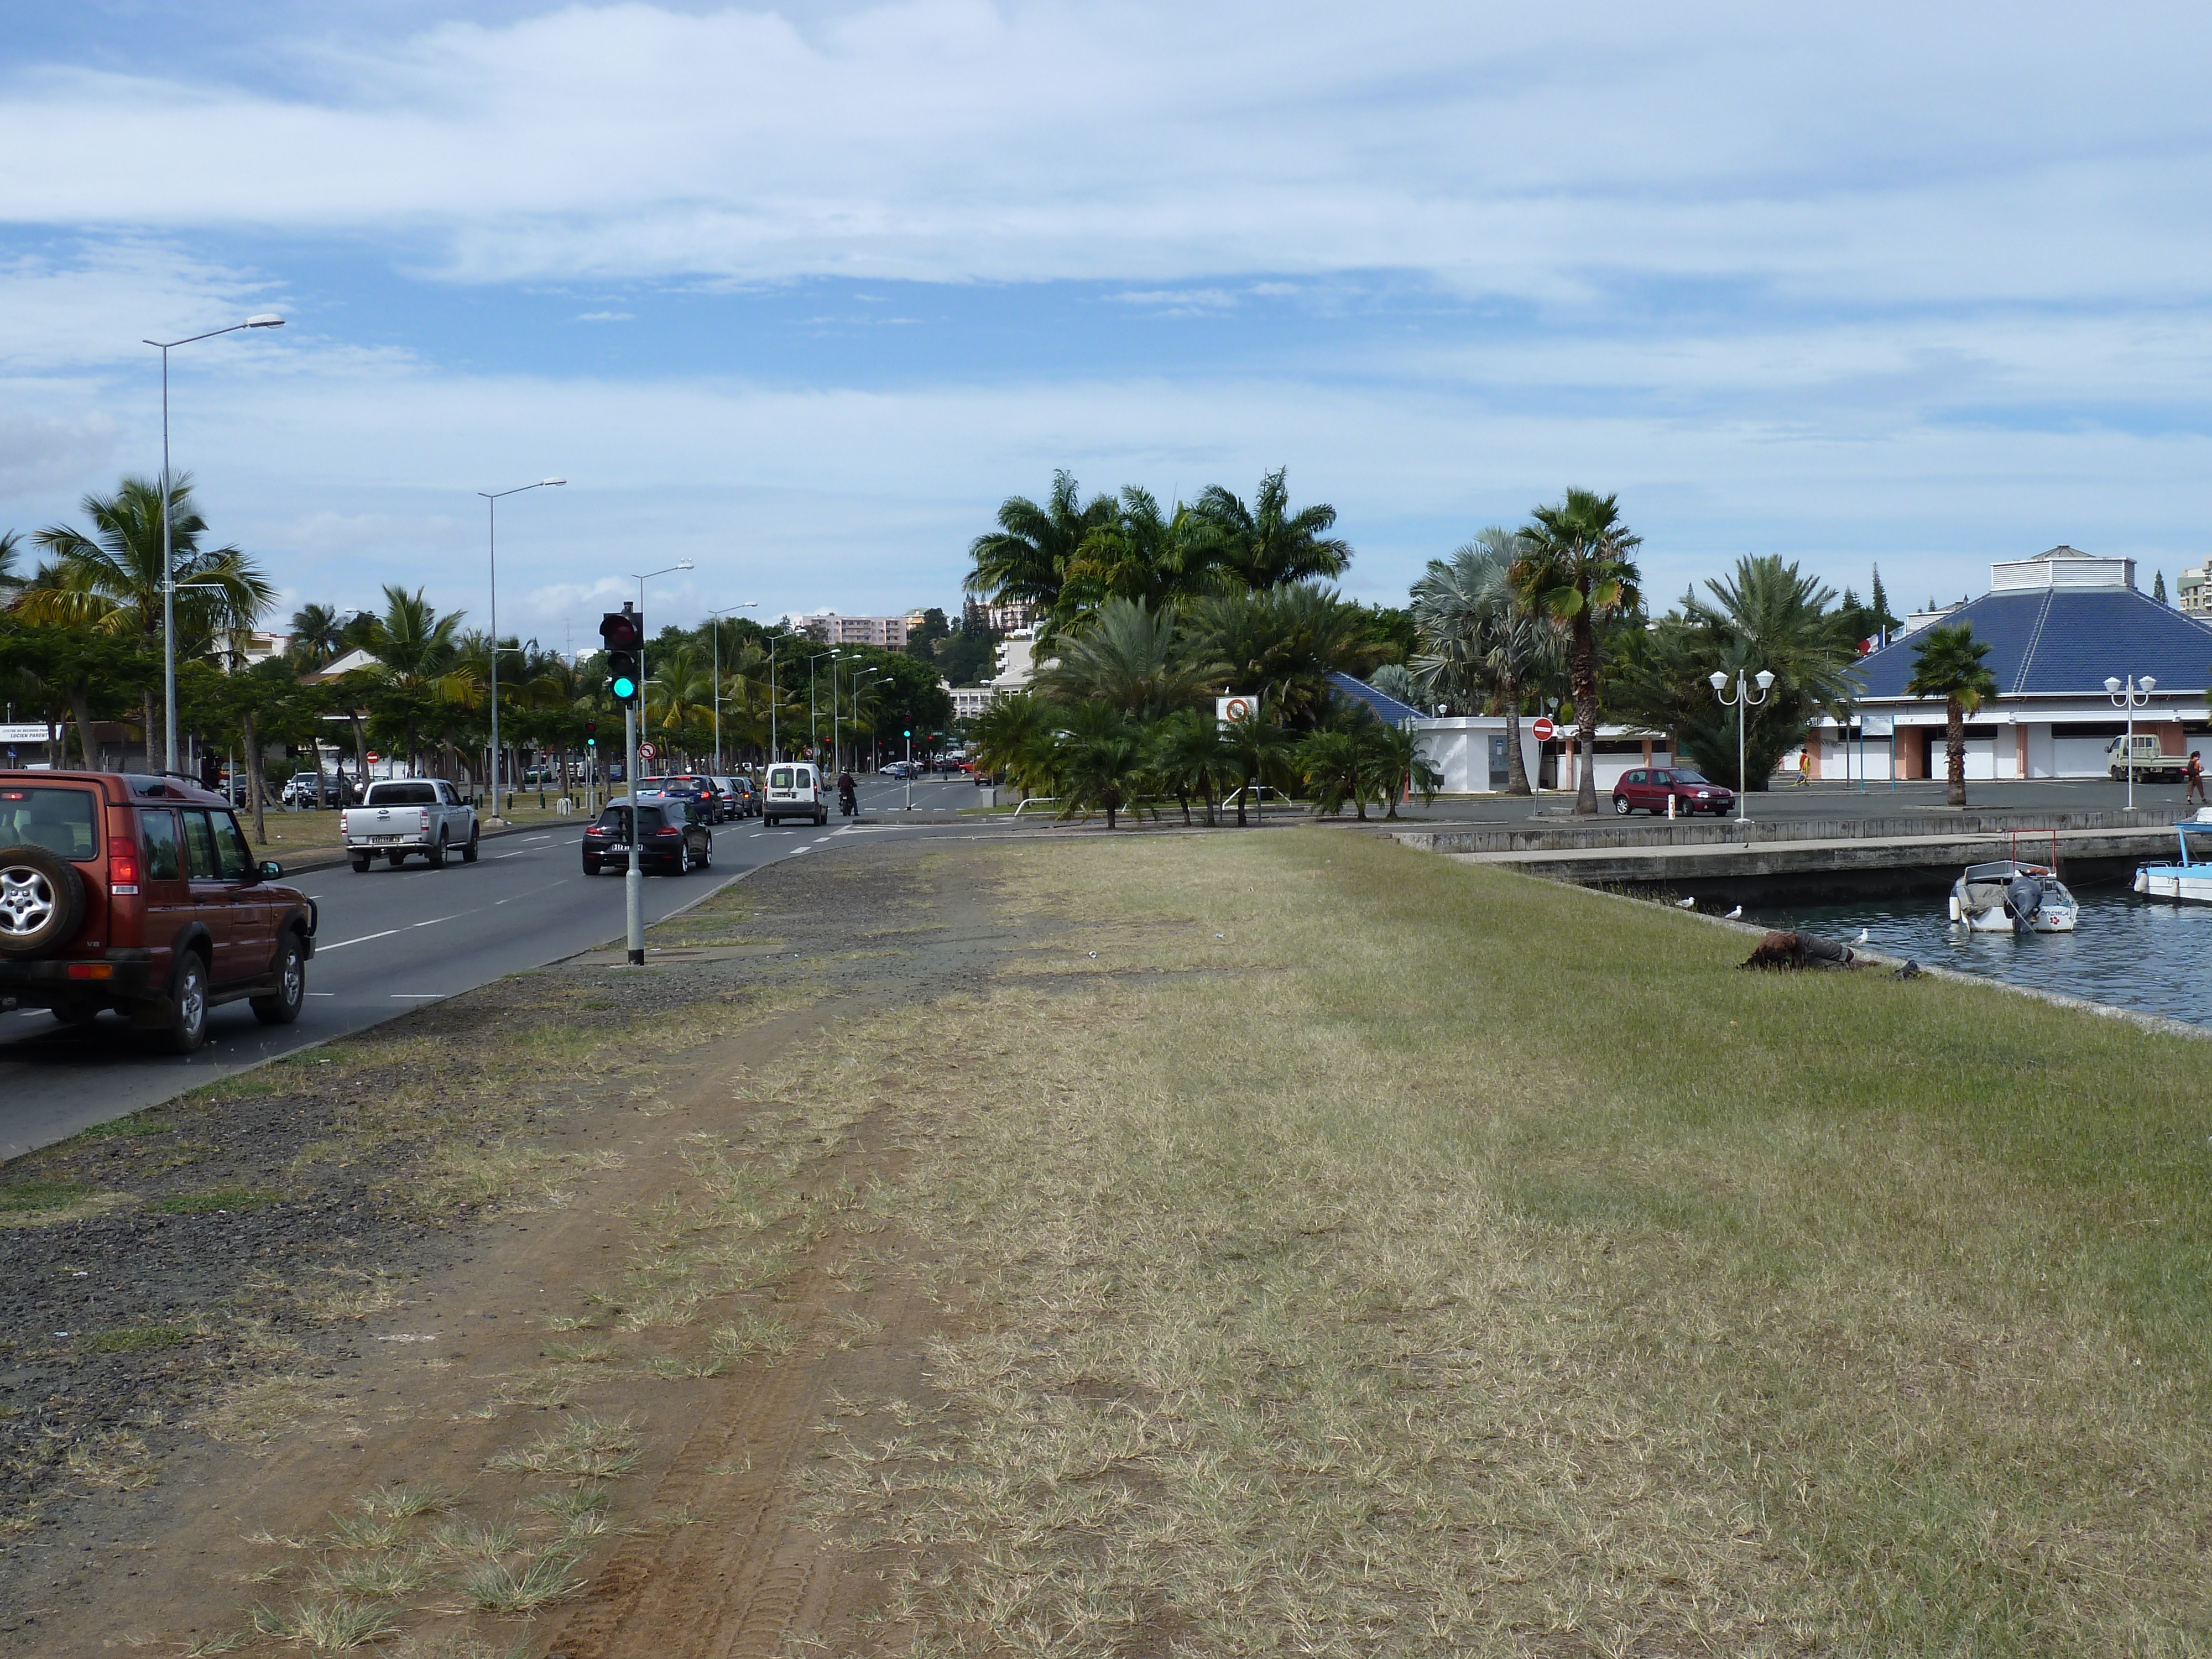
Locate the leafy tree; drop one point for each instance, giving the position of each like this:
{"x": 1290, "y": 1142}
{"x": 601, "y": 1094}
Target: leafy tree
{"x": 1769, "y": 616}
{"x": 923, "y": 642}
{"x": 1948, "y": 664}
{"x": 1578, "y": 571}
{"x": 1480, "y": 644}
{"x": 2158, "y": 587}
{"x": 1395, "y": 627}
{"x": 968, "y": 656}
{"x": 74, "y": 672}
{"x": 1128, "y": 656}
{"x": 1266, "y": 544}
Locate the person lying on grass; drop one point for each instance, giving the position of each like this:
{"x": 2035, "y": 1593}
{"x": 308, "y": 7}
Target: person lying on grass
{"x": 1800, "y": 951}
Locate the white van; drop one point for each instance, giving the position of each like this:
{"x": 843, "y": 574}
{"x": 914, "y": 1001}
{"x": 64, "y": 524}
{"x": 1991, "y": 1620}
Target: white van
{"x": 794, "y": 791}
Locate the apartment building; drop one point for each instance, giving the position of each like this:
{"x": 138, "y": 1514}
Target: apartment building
{"x": 888, "y": 632}
{"x": 2192, "y": 593}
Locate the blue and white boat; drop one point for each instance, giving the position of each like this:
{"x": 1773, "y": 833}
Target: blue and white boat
{"x": 2191, "y": 879}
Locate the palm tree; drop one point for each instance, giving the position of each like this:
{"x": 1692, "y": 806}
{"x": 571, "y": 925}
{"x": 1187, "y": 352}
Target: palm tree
{"x": 113, "y": 579}
{"x": 1013, "y": 739}
{"x": 1481, "y": 644}
{"x": 1948, "y": 664}
{"x": 1263, "y": 756}
{"x": 318, "y": 635}
{"x": 1329, "y": 762}
{"x": 1284, "y": 643}
{"x": 679, "y": 698}
{"x": 10, "y": 582}
{"x": 1393, "y": 756}
{"x": 1140, "y": 554}
{"x": 1126, "y": 655}
{"x": 1102, "y": 755}
{"x": 1190, "y": 756}
{"x": 418, "y": 669}
{"x": 1027, "y": 557}
{"x": 1577, "y": 570}
{"x": 1266, "y": 544}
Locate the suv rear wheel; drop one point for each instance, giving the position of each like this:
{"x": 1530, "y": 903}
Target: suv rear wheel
{"x": 469, "y": 850}
{"x": 187, "y": 1027}
{"x": 438, "y": 853}
{"x": 281, "y": 1007}
{"x": 41, "y": 901}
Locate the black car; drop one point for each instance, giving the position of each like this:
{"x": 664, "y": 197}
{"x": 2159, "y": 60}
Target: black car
{"x": 674, "y": 829}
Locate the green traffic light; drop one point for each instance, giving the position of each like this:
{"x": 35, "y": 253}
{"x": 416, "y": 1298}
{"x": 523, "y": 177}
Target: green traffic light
{"x": 623, "y": 687}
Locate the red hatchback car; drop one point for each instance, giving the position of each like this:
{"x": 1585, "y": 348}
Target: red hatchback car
{"x": 1651, "y": 789}
{"x": 140, "y": 893}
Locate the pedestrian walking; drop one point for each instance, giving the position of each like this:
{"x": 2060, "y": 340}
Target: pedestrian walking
{"x": 1804, "y": 767}
{"x": 2194, "y": 773}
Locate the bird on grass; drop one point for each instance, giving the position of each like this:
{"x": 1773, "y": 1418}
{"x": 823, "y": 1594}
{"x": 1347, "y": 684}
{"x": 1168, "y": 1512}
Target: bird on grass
{"x": 1685, "y": 905}
{"x": 1735, "y": 914}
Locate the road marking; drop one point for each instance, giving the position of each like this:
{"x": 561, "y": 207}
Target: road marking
{"x": 363, "y": 939}
{"x": 322, "y": 993}
{"x": 417, "y": 996}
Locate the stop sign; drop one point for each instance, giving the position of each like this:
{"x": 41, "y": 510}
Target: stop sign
{"x": 1544, "y": 730}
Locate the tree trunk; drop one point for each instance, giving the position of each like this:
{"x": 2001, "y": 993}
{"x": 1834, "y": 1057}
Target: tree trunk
{"x": 1206, "y": 794}
{"x": 254, "y": 780}
{"x": 1183, "y": 795}
{"x": 1243, "y": 795}
{"x": 1517, "y": 770}
{"x": 147, "y": 710}
{"x": 1955, "y": 751}
{"x": 1586, "y": 712}
{"x": 81, "y": 712}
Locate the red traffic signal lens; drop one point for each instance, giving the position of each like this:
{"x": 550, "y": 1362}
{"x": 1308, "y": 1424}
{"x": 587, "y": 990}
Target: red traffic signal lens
{"x": 622, "y": 630}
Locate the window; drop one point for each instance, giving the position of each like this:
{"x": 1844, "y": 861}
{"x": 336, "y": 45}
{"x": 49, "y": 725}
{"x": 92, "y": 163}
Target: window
{"x": 648, "y": 820}
{"x": 780, "y": 777}
{"x": 157, "y": 832}
{"x": 805, "y": 777}
{"x": 404, "y": 794}
{"x": 1637, "y": 777}
{"x": 199, "y": 847}
{"x": 232, "y": 853}
{"x": 59, "y": 820}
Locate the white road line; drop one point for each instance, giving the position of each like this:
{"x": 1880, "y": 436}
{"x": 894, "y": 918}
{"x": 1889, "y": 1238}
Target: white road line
{"x": 417, "y": 996}
{"x": 363, "y": 939}
{"x": 322, "y": 993}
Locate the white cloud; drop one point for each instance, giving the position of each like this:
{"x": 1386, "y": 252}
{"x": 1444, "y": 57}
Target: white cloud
{"x": 606, "y": 317}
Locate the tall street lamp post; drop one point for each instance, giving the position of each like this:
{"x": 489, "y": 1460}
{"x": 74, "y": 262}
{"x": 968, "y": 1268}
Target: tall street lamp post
{"x": 714, "y": 627}
{"x": 857, "y": 683}
{"x": 491, "y": 499}
{"x": 1742, "y": 701}
{"x": 266, "y": 319}
{"x": 2131, "y": 694}
{"x": 634, "y": 873}
{"x": 814, "y": 707}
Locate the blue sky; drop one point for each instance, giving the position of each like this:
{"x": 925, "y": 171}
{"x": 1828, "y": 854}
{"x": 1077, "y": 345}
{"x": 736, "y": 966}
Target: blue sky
{"x": 801, "y": 293}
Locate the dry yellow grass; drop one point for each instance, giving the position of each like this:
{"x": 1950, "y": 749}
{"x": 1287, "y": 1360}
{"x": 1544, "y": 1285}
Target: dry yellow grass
{"x": 1367, "y": 1256}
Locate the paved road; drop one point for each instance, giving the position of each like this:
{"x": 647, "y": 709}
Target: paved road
{"x": 390, "y": 940}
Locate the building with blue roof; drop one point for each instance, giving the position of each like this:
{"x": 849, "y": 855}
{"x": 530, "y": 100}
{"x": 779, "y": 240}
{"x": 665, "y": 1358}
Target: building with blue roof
{"x": 2058, "y": 626}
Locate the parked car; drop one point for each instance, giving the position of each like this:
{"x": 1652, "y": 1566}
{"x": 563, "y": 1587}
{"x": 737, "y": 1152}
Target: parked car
{"x": 696, "y": 786}
{"x": 2146, "y": 757}
{"x": 794, "y": 791}
{"x": 403, "y": 815}
{"x": 140, "y": 894}
{"x": 743, "y": 797}
{"x": 675, "y": 837}
{"x": 1651, "y": 789}
{"x": 315, "y": 789}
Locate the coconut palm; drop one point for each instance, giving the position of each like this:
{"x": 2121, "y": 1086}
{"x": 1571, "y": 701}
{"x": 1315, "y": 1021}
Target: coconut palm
{"x": 1190, "y": 757}
{"x": 112, "y": 578}
{"x": 679, "y": 698}
{"x": 1577, "y": 571}
{"x": 11, "y": 580}
{"x": 1266, "y": 544}
{"x": 1263, "y": 753}
{"x": 1283, "y": 644}
{"x": 419, "y": 672}
{"x": 1027, "y": 557}
{"x": 1948, "y": 664}
{"x": 1481, "y": 645}
{"x": 1126, "y": 655}
{"x": 1100, "y": 759}
{"x": 1141, "y": 553}
{"x": 318, "y": 635}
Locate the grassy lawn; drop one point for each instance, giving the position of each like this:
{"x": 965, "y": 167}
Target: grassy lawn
{"x": 1361, "y": 1254}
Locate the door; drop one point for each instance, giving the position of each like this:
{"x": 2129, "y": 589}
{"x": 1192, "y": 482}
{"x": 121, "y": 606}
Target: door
{"x": 1634, "y": 787}
{"x": 253, "y": 910}
{"x": 209, "y": 902}
{"x": 166, "y": 894}
{"x": 1501, "y": 766}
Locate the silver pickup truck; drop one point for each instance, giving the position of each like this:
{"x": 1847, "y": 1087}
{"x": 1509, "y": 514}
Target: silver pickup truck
{"x": 401, "y": 816}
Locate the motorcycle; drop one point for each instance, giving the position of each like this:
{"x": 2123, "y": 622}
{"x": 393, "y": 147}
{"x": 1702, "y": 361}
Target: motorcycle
{"x": 848, "y": 803}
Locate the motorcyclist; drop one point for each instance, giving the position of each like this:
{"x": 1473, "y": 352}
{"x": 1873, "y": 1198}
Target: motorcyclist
{"x": 848, "y": 794}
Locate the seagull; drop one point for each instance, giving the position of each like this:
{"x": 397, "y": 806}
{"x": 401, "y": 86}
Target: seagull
{"x": 1864, "y": 937}
{"x": 1094, "y": 955}
{"x": 1685, "y": 905}
{"x": 1734, "y": 914}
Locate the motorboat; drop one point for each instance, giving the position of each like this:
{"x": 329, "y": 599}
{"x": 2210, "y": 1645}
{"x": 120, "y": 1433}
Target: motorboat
{"x": 2191, "y": 878}
{"x": 2012, "y": 895}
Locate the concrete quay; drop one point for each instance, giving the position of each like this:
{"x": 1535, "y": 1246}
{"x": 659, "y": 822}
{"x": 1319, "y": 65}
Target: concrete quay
{"x": 1807, "y": 859}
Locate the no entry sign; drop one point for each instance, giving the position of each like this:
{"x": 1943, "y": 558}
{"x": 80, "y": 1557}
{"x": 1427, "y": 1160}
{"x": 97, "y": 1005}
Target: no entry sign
{"x": 1544, "y": 730}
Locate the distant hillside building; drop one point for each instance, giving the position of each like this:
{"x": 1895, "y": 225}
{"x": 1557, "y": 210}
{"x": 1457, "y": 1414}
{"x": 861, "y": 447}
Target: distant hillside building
{"x": 889, "y": 633}
{"x": 997, "y": 618}
{"x": 1017, "y": 660}
{"x": 2192, "y": 593}
{"x": 2059, "y": 625}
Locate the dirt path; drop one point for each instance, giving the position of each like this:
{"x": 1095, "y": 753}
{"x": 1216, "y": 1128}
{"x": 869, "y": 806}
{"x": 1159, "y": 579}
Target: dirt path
{"x": 711, "y": 1189}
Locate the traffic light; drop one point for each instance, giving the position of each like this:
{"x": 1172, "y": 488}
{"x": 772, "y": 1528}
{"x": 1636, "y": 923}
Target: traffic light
{"x": 622, "y": 632}
{"x": 591, "y": 734}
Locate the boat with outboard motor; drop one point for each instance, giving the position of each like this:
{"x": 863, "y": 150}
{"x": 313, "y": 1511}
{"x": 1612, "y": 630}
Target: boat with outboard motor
{"x": 2191, "y": 878}
{"x": 2012, "y": 895}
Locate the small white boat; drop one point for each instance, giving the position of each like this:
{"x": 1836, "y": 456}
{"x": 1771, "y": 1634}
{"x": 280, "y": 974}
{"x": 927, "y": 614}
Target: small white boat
{"x": 2191, "y": 878}
{"x": 2013, "y": 897}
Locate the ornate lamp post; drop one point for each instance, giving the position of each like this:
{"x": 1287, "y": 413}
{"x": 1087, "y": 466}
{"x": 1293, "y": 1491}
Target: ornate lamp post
{"x": 2131, "y": 694}
{"x": 1742, "y": 701}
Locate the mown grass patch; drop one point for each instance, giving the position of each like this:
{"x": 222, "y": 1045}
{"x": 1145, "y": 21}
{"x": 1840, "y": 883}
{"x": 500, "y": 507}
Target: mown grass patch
{"x": 141, "y": 1339}
{"x": 231, "y": 1199}
{"x": 1472, "y": 1264}
{"x": 28, "y": 1197}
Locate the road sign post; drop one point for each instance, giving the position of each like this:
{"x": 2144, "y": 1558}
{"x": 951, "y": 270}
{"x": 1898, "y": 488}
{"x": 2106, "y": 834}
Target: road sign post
{"x": 908, "y": 779}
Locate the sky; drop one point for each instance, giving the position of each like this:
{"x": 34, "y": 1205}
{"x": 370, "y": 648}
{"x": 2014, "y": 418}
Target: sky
{"x": 801, "y": 293}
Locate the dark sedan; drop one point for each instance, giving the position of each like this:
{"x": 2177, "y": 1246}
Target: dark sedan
{"x": 674, "y": 837}
{"x": 1651, "y": 789}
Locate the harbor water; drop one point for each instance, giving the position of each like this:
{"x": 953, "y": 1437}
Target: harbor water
{"x": 2154, "y": 958}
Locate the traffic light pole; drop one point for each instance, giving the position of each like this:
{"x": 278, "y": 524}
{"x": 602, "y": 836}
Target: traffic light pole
{"x": 633, "y": 871}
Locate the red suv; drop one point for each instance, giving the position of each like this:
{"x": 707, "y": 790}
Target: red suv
{"x": 140, "y": 893}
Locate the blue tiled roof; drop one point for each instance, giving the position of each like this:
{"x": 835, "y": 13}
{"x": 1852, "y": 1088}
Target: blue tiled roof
{"x": 2063, "y": 642}
{"x": 1387, "y": 708}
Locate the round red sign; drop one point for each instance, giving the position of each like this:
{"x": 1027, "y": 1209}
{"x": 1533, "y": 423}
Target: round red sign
{"x": 647, "y": 751}
{"x": 1544, "y": 730}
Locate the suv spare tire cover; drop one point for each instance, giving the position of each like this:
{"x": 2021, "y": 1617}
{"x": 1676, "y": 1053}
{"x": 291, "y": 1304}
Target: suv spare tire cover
{"x": 41, "y": 901}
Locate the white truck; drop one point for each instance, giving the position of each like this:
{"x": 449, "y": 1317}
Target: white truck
{"x": 2146, "y": 756}
{"x": 399, "y": 816}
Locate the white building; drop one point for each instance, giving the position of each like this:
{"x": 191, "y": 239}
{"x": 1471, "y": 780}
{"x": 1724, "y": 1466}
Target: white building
{"x": 2192, "y": 593}
{"x": 1016, "y": 661}
{"x": 968, "y": 701}
{"x": 889, "y": 633}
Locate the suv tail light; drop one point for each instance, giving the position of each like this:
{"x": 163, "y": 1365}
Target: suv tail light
{"x": 658, "y": 833}
{"x": 122, "y": 864}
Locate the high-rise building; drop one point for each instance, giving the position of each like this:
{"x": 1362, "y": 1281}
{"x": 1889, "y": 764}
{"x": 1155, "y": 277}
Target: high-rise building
{"x": 2192, "y": 592}
{"x": 997, "y": 618}
{"x": 888, "y": 632}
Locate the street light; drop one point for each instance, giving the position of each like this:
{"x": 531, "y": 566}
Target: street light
{"x": 492, "y": 498}
{"x": 813, "y": 705}
{"x": 713, "y": 626}
{"x": 633, "y": 873}
{"x": 856, "y": 683}
{"x": 2132, "y": 695}
{"x": 265, "y": 320}
{"x": 1742, "y": 701}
